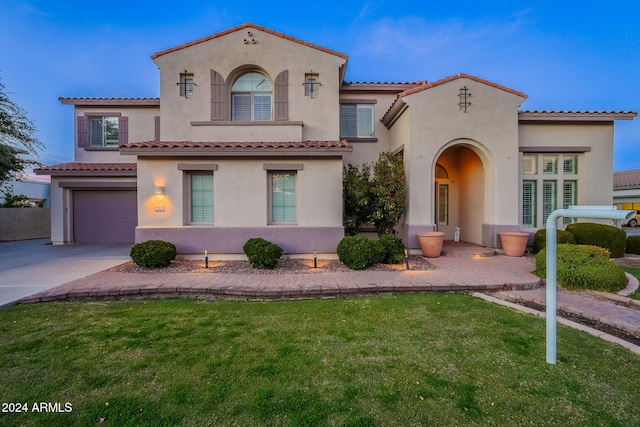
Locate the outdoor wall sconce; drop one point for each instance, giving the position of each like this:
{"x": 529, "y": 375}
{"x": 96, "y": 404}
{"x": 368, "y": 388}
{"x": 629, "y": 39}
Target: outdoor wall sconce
{"x": 159, "y": 190}
{"x": 463, "y": 96}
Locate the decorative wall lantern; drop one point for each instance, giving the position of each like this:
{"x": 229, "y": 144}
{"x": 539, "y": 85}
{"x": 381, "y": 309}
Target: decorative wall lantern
{"x": 464, "y": 96}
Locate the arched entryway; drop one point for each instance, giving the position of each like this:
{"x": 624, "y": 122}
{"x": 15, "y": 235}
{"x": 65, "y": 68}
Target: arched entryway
{"x": 459, "y": 193}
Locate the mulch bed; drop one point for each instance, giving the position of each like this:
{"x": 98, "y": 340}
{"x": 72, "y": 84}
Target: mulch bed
{"x": 285, "y": 266}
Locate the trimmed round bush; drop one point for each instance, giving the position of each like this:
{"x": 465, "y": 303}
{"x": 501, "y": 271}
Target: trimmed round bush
{"x": 583, "y": 267}
{"x": 633, "y": 245}
{"x": 358, "y": 252}
{"x": 602, "y": 235}
{"x": 153, "y": 253}
{"x": 262, "y": 254}
{"x": 540, "y": 239}
{"x": 393, "y": 249}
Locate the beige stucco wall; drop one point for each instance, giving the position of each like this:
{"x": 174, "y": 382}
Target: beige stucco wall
{"x": 141, "y": 128}
{"x": 595, "y": 166}
{"x": 240, "y": 192}
{"x": 489, "y": 129}
{"x": 271, "y": 55}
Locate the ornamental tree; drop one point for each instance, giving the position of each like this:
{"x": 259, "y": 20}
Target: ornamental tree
{"x": 18, "y": 145}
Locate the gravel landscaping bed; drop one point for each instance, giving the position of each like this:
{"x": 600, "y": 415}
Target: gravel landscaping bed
{"x": 285, "y": 266}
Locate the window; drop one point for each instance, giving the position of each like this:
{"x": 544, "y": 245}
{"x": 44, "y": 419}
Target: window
{"x": 283, "y": 197}
{"x": 103, "y": 131}
{"x": 549, "y": 181}
{"x": 186, "y": 84}
{"x": 251, "y": 98}
{"x": 356, "y": 121}
{"x": 311, "y": 84}
{"x": 443, "y": 204}
{"x": 201, "y": 193}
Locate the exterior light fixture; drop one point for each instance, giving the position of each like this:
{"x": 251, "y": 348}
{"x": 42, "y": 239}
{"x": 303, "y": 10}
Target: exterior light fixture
{"x": 159, "y": 190}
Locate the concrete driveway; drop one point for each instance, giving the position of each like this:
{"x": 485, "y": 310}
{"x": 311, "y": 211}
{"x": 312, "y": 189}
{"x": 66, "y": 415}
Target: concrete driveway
{"x": 32, "y": 266}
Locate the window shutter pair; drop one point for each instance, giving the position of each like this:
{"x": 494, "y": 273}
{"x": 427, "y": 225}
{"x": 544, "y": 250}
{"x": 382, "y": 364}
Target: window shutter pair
{"x": 219, "y": 97}
{"x": 83, "y": 131}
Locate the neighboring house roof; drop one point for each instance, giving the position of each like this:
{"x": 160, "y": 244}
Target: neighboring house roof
{"x": 89, "y": 169}
{"x": 255, "y": 27}
{"x": 95, "y": 102}
{"x": 626, "y": 179}
{"x": 280, "y": 148}
{"x": 377, "y": 87}
{"x": 576, "y": 116}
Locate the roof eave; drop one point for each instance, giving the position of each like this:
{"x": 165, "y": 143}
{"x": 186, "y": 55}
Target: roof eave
{"x": 107, "y": 102}
{"x": 575, "y": 116}
{"x": 235, "y": 152}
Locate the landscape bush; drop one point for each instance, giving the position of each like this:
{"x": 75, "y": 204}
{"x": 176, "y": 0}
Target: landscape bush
{"x": 633, "y": 245}
{"x": 540, "y": 239}
{"x": 583, "y": 267}
{"x": 393, "y": 249}
{"x": 359, "y": 252}
{"x": 602, "y": 235}
{"x": 262, "y": 254}
{"x": 153, "y": 253}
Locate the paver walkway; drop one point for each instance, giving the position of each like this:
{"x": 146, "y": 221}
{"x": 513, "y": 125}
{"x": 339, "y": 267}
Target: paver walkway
{"x": 451, "y": 274}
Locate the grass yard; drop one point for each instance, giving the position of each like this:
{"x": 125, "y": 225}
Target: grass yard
{"x": 409, "y": 360}
{"x": 634, "y": 271}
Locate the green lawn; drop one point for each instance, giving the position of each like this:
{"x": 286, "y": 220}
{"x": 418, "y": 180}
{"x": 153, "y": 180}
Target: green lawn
{"x": 410, "y": 360}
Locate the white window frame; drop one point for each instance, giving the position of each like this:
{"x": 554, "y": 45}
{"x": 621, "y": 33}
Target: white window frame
{"x": 549, "y": 171}
{"x": 271, "y": 174}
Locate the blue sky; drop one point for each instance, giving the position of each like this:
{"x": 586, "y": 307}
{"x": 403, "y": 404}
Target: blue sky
{"x": 564, "y": 56}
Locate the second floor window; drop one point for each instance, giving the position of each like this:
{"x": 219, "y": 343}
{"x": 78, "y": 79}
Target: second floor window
{"x": 251, "y": 98}
{"x": 103, "y": 131}
{"x": 356, "y": 121}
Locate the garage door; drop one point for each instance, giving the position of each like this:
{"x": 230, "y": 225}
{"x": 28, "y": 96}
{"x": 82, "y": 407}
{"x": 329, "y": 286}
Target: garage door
{"x": 101, "y": 216}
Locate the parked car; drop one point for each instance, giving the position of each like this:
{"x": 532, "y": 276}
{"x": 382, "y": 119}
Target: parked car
{"x": 633, "y": 222}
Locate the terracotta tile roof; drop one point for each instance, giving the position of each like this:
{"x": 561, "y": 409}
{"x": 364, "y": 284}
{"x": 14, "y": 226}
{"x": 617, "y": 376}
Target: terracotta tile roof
{"x": 78, "y": 168}
{"x": 387, "y": 87}
{"x": 243, "y": 149}
{"x": 255, "y": 27}
{"x": 525, "y": 115}
{"x": 110, "y": 101}
{"x": 461, "y": 76}
{"x": 626, "y": 179}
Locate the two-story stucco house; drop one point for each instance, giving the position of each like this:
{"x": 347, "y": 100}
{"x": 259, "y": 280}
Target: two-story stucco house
{"x": 252, "y": 130}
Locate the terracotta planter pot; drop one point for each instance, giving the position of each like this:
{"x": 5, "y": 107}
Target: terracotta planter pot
{"x": 514, "y": 243}
{"x": 431, "y": 243}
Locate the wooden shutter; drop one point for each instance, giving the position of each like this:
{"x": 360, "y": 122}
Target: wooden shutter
{"x": 282, "y": 96}
{"x": 156, "y": 134}
{"x": 83, "y": 131}
{"x": 123, "y": 130}
{"x": 218, "y": 97}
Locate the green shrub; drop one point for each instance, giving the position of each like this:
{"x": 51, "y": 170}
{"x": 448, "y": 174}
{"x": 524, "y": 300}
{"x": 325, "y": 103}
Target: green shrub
{"x": 262, "y": 254}
{"x": 604, "y": 236}
{"x": 583, "y": 267}
{"x": 358, "y": 252}
{"x": 153, "y": 253}
{"x": 540, "y": 239}
{"x": 393, "y": 249}
{"x": 633, "y": 245}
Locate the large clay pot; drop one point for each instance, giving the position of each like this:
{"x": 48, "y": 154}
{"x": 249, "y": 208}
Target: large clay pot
{"x": 514, "y": 243}
{"x": 431, "y": 243}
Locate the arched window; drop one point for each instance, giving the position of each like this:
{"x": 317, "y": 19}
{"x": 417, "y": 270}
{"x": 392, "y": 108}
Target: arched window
{"x": 251, "y": 97}
{"x": 441, "y": 172}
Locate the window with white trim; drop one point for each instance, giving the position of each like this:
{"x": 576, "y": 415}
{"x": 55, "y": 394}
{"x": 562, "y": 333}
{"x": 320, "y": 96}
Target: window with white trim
{"x": 356, "y": 121}
{"x": 251, "y": 98}
{"x": 200, "y": 197}
{"x": 103, "y": 131}
{"x": 282, "y": 197}
{"x": 549, "y": 182}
